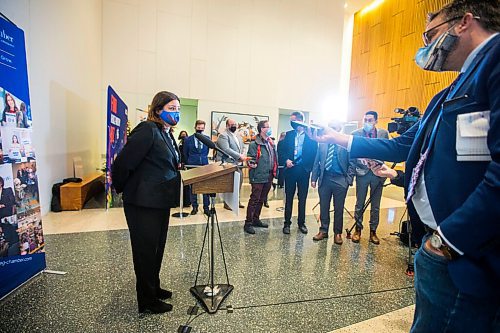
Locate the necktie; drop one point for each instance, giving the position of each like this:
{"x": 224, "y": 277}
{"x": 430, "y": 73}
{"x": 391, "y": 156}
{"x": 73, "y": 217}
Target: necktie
{"x": 329, "y": 157}
{"x": 417, "y": 170}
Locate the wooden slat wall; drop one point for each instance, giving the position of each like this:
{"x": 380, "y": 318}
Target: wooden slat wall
{"x": 384, "y": 75}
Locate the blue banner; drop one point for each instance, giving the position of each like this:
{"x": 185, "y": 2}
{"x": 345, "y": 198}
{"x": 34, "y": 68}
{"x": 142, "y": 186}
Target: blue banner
{"x": 117, "y": 137}
{"x": 22, "y": 243}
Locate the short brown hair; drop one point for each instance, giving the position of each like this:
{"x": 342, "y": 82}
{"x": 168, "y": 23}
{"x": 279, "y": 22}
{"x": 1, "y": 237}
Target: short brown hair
{"x": 159, "y": 101}
{"x": 487, "y": 11}
{"x": 199, "y": 122}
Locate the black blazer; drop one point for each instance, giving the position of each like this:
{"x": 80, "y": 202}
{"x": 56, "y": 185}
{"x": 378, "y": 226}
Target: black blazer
{"x": 286, "y": 148}
{"x": 8, "y": 200}
{"x": 146, "y": 169}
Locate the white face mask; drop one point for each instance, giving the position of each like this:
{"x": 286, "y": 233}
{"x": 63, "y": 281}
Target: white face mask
{"x": 368, "y": 127}
{"x": 433, "y": 56}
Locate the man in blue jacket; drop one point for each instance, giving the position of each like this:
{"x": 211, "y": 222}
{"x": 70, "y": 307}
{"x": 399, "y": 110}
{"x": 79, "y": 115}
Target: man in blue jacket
{"x": 453, "y": 172}
{"x": 197, "y": 154}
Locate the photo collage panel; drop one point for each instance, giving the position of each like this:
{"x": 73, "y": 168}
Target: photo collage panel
{"x": 20, "y": 216}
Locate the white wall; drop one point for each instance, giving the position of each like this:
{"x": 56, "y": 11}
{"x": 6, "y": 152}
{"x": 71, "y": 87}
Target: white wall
{"x": 64, "y": 66}
{"x": 254, "y": 55}
{"x": 248, "y": 56}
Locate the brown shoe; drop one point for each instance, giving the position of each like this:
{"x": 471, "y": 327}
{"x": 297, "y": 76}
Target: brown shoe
{"x": 338, "y": 239}
{"x": 356, "y": 236}
{"x": 373, "y": 238}
{"x": 320, "y": 236}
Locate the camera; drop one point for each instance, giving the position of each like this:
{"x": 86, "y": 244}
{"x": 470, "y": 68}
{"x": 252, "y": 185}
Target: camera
{"x": 409, "y": 117}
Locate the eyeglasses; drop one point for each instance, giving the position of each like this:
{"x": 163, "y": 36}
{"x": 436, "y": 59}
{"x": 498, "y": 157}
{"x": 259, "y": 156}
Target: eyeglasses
{"x": 173, "y": 108}
{"x": 428, "y": 37}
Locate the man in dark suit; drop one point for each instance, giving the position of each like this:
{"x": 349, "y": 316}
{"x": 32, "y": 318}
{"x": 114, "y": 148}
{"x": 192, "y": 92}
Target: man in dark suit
{"x": 454, "y": 185}
{"x": 365, "y": 178}
{"x": 197, "y": 154}
{"x": 333, "y": 174}
{"x": 296, "y": 153}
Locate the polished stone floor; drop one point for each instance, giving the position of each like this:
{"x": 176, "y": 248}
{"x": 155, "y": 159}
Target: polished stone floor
{"x": 283, "y": 283}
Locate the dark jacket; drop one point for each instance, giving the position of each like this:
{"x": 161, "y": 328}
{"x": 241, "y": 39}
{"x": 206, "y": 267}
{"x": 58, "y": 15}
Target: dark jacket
{"x": 286, "y": 149}
{"x": 463, "y": 194}
{"x": 347, "y": 167}
{"x": 146, "y": 169}
{"x": 261, "y": 173}
{"x": 195, "y": 156}
{"x": 8, "y": 200}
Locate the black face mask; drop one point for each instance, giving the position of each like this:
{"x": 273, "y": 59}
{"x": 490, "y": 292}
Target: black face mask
{"x": 182, "y": 138}
{"x": 199, "y": 131}
{"x": 232, "y": 129}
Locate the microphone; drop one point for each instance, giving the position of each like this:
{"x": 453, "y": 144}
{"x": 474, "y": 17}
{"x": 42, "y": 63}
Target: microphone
{"x": 210, "y": 144}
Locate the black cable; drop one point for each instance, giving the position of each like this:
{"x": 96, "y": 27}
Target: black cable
{"x": 321, "y": 298}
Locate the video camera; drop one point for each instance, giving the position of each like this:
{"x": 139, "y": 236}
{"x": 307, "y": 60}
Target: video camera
{"x": 408, "y": 119}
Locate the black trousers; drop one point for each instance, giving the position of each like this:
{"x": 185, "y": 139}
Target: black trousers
{"x": 148, "y": 229}
{"x": 296, "y": 178}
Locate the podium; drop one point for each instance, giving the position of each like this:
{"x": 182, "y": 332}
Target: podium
{"x": 211, "y": 179}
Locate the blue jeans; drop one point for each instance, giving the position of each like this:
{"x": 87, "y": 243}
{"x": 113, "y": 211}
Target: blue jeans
{"x": 441, "y": 307}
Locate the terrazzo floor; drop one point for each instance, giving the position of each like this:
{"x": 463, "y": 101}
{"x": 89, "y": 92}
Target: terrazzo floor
{"x": 283, "y": 283}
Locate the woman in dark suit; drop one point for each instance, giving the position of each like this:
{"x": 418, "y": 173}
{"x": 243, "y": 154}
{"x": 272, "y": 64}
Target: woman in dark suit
{"x": 7, "y": 200}
{"x": 147, "y": 172}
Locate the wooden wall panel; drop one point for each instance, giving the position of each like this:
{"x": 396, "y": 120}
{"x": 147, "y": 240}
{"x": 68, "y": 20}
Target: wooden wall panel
{"x": 384, "y": 75}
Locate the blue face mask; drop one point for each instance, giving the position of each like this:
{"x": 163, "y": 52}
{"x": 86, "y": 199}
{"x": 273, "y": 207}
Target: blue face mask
{"x": 433, "y": 56}
{"x": 171, "y": 118}
{"x": 269, "y": 132}
{"x": 367, "y": 127}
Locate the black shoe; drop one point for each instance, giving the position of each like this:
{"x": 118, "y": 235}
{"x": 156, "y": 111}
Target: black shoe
{"x": 260, "y": 224}
{"x": 286, "y": 230}
{"x": 266, "y": 204}
{"x": 248, "y": 228}
{"x": 226, "y": 206}
{"x": 241, "y": 206}
{"x": 163, "y": 294}
{"x": 156, "y": 307}
{"x": 303, "y": 228}
{"x": 206, "y": 212}
{"x": 194, "y": 211}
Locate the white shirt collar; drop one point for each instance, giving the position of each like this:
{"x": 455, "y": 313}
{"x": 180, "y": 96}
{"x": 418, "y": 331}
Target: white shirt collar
{"x": 474, "y": 53}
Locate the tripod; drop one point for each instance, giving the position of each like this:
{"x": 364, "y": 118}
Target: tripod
{"x": 211, "y": 295}
{"x": 362, "y": 212}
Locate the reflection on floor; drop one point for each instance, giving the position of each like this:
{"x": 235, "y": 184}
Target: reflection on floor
{"x": 283, "y": 283}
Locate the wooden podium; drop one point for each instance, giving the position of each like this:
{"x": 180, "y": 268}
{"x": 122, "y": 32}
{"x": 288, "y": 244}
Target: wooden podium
{"x": 211, "y": 179}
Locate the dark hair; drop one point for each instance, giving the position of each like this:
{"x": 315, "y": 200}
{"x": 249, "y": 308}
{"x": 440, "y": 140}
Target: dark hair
{"x": 2, "y": 182}
{"x": 199, "y": 122}
{"x": 7, "y": 107}
{"x": 159, "y": 101}
{"x": 261, "y": 124}
{"x": 488, "y": 12}
{"x": 373, "y": 113}
{"x": 299, "y": 115}
{"x": 179, "y": 137}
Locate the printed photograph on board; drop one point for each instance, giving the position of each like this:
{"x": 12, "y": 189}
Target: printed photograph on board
{"x": 25, "y": 182}
{"x": 15, "y": 113}
{"x": 16, "y": 145}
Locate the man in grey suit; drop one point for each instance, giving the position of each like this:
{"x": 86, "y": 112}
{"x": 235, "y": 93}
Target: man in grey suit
{"x": 365, "y": 177}
{"x": 333, "y": 174}
{"x": 232, "y": 144}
